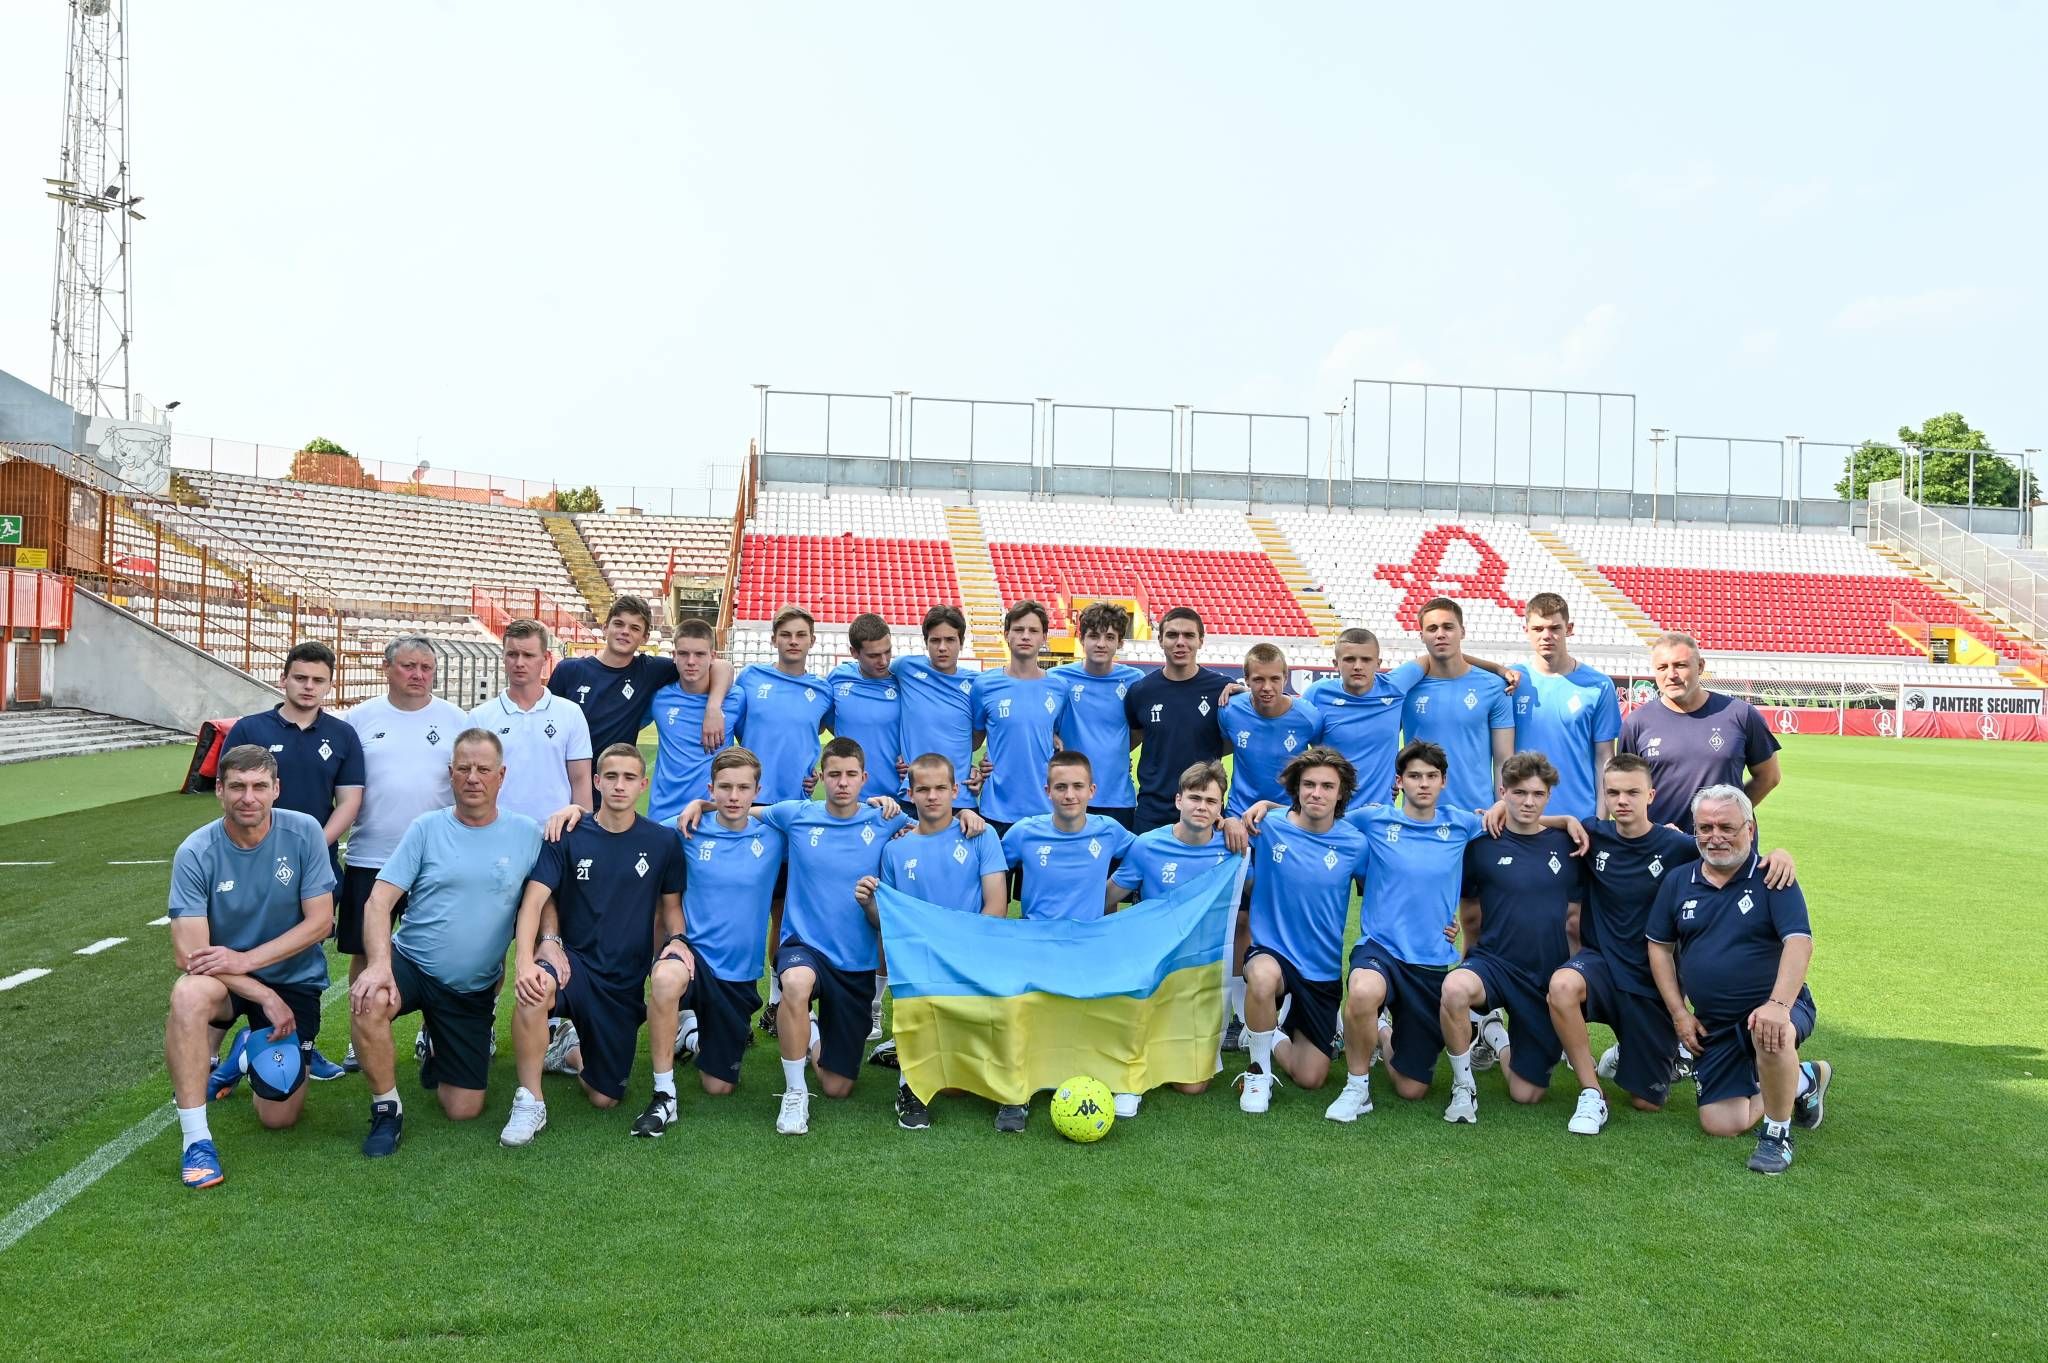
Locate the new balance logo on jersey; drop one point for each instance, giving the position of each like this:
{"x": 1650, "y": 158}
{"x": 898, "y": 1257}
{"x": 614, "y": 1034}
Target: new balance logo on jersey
{"x": 1044, "y": 854}
{"x": 1169, "y": 873}
{"x": 1279, "y": 851}
{"x": 1745, "y": 903}
{"x": 910, "y": 869}
{"x": 844, "y": 689}
{"x": 582, "y": 694}
{"x": 640, "y": 866}
{"x": 1685, "y": 913}
{"x": 674, "y": 713}
{"x": 283, "y": 871}
{"x": 1157, "y": 711}
{"x": 277, "y": 747}
{"x": 1003, "y": 708}
{"x": 761, "y": 692}
{"x": 921, "y": 676}
{"x": 225, "y": 887}
{"x": 1393, "y": 833}
{"x": 816, "y": 833}
{"x": 704, "y": 851}
{"x": 1422, "y": 705}
{"x": 1244, "y": 738}
{"x": 583, "y": 866}
{"x": 1600, "y": 861}
{"x": 1522, "y": 705}
{"x": 1338, "y": 701}
{"x": 506, "y": 730}
{"x": 1505, "y": 861}
{"x": 1075, "y": 692}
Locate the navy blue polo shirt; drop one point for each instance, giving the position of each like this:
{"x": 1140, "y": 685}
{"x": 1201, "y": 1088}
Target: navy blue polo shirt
{"x": 617, "y": 701}
{"x": 1526, "y": 884}
{"x": 1728, "y": 939}
{"x": 312, "y": 763}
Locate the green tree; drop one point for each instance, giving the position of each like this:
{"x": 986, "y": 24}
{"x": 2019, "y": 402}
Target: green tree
{"x": 1944, "y": 446}
{"x": 576, "y": 499}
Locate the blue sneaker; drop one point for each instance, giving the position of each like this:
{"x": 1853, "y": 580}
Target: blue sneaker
{"x": 201, "y": 1166}
{"x": 321, "y": 1068}
{"x": 228, "y": 1072}
{"x": 1808, "y": 1111}
{"x": 1773, "y": 1154}
{"x": 387, "y": 1128}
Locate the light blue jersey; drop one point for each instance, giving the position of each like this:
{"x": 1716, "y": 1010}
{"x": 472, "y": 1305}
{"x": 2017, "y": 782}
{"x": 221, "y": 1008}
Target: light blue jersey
{"x": 1094, "y": 724}
{"x": 1065, "y": 874}
{"x": 780, "y": 716}
{"x": 728, "y": 882}
{"x": 682, "y": 769}
{"x": 1412, "y": 880}
{"x": 1260, "y": 747}
{"x": 252, "y": 896}
{"x": 869, "y": 711}
{"x": 827, "y": 858}
{"x": 943, "y": 703}
{"x": 1020, "y": 718}
{"x": 1459, "y": 715}
{"x": 1367, "y": 728}
{"x": 1301, "y": 891}
{"x": 1562, "y": 718}
{"x": 1157, "y": 863}
{"x": 465, "y": 884}
{"x": 943, "y": 868}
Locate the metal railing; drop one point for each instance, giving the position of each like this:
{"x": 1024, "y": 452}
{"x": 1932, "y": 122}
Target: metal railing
{"x": 2004, "y": 583}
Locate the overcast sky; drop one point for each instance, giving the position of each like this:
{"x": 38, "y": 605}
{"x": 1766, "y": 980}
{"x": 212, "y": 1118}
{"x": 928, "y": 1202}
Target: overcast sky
{"x": 561, "y": 241}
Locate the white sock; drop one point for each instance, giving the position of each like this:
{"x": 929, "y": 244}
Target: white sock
{"x": 1461, "y": 1069}
{"x": 774, "y": 990}
{"x": 1261, "y": 1047}
{"x": 1358, "y": 1081}
{"x": 1495, "y": 1034}
{"x": 902, "y": 1080}
{"x": 192, "y": 1124}
{"x": 881, "y": 988}
{"x": 793, "y": 1074}
{"x": 1772, "y": 1128}
{"x": 665, "y": 1083}
{"x": 1234, "y": 992}
{"x": 1805, "y": 1082}
{"x": 391, "y": 1098}
{"x": 814, "y": 1034}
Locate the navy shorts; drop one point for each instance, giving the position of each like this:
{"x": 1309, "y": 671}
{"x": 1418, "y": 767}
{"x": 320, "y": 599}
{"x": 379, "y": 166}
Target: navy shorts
{"x": 458, "y": 1023}
{"x": 1312, "y": 1017}
{"x": 1414, "y": 995}
{"x": 607, "y": 1021}
{"x": 844, "y": 998}
{"x": 725, "y": 1019}
{"x": 1533, "y": 1047}
{"x": 1649, "y": 1045}
{"x": 302, "y": 999}
{"x": 356, "y": 884}
{"x": 1728, "y": 1067}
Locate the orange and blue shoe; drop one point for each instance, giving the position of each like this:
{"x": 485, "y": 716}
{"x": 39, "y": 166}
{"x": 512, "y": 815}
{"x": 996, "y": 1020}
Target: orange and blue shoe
{"x": 228, "y": 1072}
{"x": 202, "y": 1166}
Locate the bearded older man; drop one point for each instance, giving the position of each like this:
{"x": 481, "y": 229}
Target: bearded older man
{"x": 1739, "y": 951}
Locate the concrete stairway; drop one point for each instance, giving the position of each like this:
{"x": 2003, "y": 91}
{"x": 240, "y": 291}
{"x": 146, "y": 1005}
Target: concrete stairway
{"x": 2018, "y": 675}
{"x": 981, "y": 602}
{"x": 581, "y": 563}
{"x": 1600, "y": 585}
{"x": 26, "y": 735}
{"x": 1295, "y": 574}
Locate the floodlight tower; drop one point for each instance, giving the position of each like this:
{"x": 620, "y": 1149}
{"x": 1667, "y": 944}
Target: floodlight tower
{"x": 89, "y": 317}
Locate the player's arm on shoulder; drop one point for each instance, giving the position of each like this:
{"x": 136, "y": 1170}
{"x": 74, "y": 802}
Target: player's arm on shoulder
{"x": 1780, "y": 871}
{"x": 1573, "y": 829}
{"x": 1508, "y": 675}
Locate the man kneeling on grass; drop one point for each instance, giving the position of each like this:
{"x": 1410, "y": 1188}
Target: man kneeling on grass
{"x": 609, "y": 880}
{"x": 252, "y": 898}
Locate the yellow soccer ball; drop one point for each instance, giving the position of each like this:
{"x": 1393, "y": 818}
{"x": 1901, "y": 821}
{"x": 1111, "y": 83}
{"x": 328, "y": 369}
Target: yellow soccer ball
{"x": 1083, "y": 1109}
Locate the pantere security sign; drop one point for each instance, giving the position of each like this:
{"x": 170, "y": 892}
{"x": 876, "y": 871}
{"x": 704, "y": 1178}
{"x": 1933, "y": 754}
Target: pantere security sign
{"x": 1969, "y": 700}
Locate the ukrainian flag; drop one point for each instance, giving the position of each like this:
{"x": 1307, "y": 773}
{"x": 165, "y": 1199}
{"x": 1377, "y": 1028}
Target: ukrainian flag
{"x": 1005, "y": 1007}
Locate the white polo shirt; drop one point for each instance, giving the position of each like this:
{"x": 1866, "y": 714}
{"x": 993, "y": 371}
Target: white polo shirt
{"x": 405, "y": 771}
{"x": 539, "y": 743}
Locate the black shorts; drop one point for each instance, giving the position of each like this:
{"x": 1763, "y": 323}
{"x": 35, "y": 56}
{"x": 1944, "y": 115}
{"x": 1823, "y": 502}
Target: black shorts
{"x": 607, "y": 1021}
{"x": 1727, "y": 1067}
{"x": 1533, "y": 1047}
{"x": 459, "y": 1024}
{"x": 302, "y": 999}
{"x": 1642, "y": 1026}
{"x": 356, "y": 884}
{"x": 725, "y": 1019}
{"x": 1414, "y": 996}
{"x": 844, "y": 998}
{"x": 1312, "y": 1017}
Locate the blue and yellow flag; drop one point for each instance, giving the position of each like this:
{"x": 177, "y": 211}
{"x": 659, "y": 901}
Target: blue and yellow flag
{"x": 1005, "y": 1007}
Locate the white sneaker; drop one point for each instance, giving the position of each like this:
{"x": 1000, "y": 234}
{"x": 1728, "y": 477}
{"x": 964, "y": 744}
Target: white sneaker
{"x": 555, "y": 1060}
{"x": 795, "y": 1117}
{"x": 686, "y": 1031}
{"x": 1609, "y": 1062}
{"x": 1353, "y": 1101}
{"x": 875, "y": 1020}
{"x": 1255, "y": 1092}
{"x": 1464, "y": 1104}
{"x": 1127, "y": 1105}
{"x": 1591, "y": 1114}
{"x": 529, "y": 1118}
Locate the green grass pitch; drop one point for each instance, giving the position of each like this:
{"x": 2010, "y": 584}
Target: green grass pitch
{"x": 1910, "y": 1227}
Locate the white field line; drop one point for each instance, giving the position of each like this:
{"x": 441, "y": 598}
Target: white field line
{"x": 21, "y": 977}
{"x": 163, "y": 922}
{"x": 94, "y": 1167}
{"x": 97, "y": 947}
{"x": 153, "y": 861}
{"x": 27, "y": 863}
